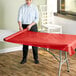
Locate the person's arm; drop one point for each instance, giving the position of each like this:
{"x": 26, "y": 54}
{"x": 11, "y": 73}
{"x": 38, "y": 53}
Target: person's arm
{"x": 32, "y": 24}
{"x": 36, "y": 19}
{"x": 20, "y": 19}
{"x": 20, "y": 25}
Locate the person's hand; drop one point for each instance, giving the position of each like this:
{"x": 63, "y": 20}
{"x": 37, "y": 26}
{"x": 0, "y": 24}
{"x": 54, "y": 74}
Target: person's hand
{"x": 29, "y": 27}
{"x": 20, "y": 28}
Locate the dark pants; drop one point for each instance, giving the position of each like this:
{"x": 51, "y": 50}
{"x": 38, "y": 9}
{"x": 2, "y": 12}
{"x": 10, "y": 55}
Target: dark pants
{"x": 25, "y": 47}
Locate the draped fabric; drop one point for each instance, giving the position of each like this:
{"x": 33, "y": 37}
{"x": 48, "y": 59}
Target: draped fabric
{"x": 62, "y": 42}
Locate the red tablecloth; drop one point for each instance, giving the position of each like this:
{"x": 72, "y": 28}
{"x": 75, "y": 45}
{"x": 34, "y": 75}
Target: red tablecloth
{"x": 62, "y": 42}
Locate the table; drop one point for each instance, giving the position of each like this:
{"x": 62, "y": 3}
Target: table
{"x": 62, "y": 42}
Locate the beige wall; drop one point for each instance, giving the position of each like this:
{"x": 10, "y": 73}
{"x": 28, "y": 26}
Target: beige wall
{"x": 8, "y": 16}
{"x": 70, "y": 5}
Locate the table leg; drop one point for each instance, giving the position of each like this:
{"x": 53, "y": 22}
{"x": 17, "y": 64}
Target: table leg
{"x": 67, "y": 62}
{"x": 60, "y": 63}
{"x": 60, "y": 60}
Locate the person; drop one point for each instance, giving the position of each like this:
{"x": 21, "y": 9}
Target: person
{"x": 28, "y": 17}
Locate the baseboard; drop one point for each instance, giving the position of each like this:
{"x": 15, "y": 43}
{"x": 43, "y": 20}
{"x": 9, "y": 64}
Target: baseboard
{"x": 12, "y": 49}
